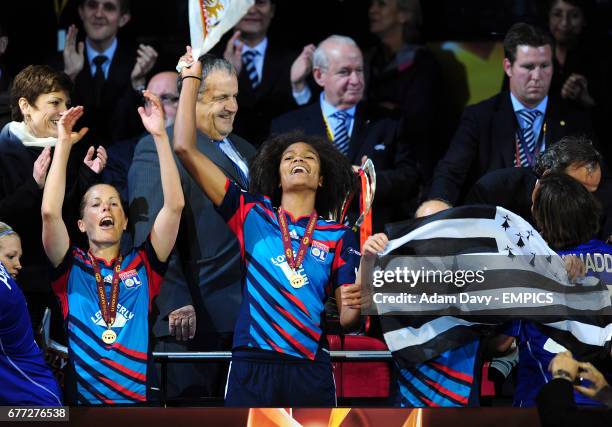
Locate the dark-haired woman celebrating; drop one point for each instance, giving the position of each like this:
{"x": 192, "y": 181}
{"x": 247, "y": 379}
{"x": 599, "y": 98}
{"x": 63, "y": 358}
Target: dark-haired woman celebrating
{"x": 294, "y": 259}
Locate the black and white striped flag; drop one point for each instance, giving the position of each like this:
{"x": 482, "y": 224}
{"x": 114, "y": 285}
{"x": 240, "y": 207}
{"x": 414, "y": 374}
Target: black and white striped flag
{"x": 516, "y": 262}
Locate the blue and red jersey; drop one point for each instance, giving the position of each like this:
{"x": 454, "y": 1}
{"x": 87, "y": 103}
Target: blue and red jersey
{"x": 115, "y": 373}
{"x": 25, "y": 379}
{"x": 447, "y": 380}
{"x": 274, "y": 316}
{"x": 536, "y": 349}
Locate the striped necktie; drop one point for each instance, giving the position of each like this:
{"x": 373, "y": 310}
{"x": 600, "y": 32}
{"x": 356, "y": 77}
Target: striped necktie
{"x": 248, "y": 59}
{"x": 341, "y": 136}
{"x": 528, "y": 134}
{"x": 243, "y": 180}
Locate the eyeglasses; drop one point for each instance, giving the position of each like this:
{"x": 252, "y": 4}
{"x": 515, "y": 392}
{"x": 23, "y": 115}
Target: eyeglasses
{"x": 167, "y": 98}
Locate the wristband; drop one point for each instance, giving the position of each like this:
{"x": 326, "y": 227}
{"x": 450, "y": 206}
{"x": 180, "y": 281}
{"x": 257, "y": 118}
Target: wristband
{"x": 562, "y": 373}
{"x": 192, "y": 77}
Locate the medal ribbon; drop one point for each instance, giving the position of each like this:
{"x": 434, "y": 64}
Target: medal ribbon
{"x": 296, "y": 262}
{"x": 109, "y": 310}
{"x": 366, "y": 225}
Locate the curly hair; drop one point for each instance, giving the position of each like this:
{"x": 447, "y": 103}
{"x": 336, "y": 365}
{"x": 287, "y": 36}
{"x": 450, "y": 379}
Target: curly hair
{"x": 565, "y": 212}
{"x": 339, "y": 179}
{"x": 570, "y": 150}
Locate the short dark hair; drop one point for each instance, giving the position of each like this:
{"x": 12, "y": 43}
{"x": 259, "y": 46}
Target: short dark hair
{"x": 124, "y": 5}
{"x": 36, "y": 80}
{"x": 338, "y": 177}
{"x": 570, "y": 150}
{"x": 524, "y": 34}
{"x": 566, "y": 213}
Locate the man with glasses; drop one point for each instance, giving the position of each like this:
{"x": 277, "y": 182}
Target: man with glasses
{"x": 120, "y": 155}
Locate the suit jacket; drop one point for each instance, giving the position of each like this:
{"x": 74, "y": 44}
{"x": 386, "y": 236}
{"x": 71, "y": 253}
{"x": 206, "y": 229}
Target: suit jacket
{"x": 397, "y": 175}
{"x": 557, "y": 408}
{"x": 509, "y": 188}
{"x": 117, "y": 117}
{"x": 271, "y": 98}
{"x": 485, "y": 141}
{"x": 205, "y": 268}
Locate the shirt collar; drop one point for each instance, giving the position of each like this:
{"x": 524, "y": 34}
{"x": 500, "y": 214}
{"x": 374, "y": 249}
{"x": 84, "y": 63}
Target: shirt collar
{"x": 260, "y": 48}
{"x": 517, "y": 106}
{"x": 328, "y": 109}
{"x": 92, "y": 53}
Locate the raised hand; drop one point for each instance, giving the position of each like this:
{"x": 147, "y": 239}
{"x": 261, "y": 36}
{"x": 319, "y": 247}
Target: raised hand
{"x": 41, "y": 167}
{"x": 301, "y": 68}
{"x": 98, "y": 162}
{"x": 66, "y": 124}
{"x": 192, "y": 67}
{"x": 374, "y": 245}
{"x": 144, "y": 63}
{"x": 153, "y": 121}
{"x": 233, "y": 51}
{"x": 74, "y": 54}
{"x": 574, "y": 266}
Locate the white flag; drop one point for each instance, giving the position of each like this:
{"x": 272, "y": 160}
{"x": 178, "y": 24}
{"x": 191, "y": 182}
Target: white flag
{"x": 210, "y": 19}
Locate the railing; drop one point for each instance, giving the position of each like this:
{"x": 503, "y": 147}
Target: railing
{"x": 225, "y": 356}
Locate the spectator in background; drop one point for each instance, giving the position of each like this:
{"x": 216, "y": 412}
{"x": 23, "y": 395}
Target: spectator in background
{"x": 39, "y": 96}
{"x": 264, "y": 91}
{"x": 348, "y": 122}
{"x": 198, "y": 304}
{"x": 581, "y": 71}
{"x": 5, "y": 82}
{"x": 511, "y": 128}
{"x": 108, "y": 73}
{"x": 162, "y": 85}
{"x": 404, "y": 79}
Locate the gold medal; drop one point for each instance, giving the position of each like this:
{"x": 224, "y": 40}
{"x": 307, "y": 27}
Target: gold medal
{"x": 297, "y": 280}
{"x": 109, "y": 336}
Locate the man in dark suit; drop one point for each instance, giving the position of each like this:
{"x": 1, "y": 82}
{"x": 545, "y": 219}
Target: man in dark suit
{"x": 200, "y": 298}
{"x": 354, "y": 129}
{"x": 108, "y": 74}
{"x": 263, "y": 73}
{"x": 511, "y": 128}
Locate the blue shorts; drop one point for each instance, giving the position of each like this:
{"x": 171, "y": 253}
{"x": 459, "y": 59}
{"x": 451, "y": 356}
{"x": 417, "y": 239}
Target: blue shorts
{"x": 263, "y": 379}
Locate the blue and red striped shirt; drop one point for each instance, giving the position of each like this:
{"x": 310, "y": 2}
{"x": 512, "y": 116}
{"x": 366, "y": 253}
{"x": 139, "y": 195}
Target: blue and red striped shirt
{"x": 116, "y": 373}
{"x": 274, "y": 316}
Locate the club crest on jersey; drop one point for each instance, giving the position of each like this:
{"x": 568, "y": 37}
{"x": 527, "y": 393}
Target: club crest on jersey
{"x": 319, "y": 250}
{"x": 130, "y": 279}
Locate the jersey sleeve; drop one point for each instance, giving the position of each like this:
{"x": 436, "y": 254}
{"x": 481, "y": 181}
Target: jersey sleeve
{"x": 235, "y": 207}
{"x": 155, "y": 268}
{"x": 59, "y": 277}
{"x": 346, "y": 260}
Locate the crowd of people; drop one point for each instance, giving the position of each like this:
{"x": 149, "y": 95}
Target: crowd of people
{"x": 200, "y": 210}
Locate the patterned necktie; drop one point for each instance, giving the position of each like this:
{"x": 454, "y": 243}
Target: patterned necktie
{"x": 248, "y": 59}
{"x": 341, "y": 136}
{"x": 99, "y": 78}
{"x": 529, "y": 118}
{"x": 243, "y": 180}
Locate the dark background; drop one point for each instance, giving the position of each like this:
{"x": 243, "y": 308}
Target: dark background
{"x": 32, "y": 24}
